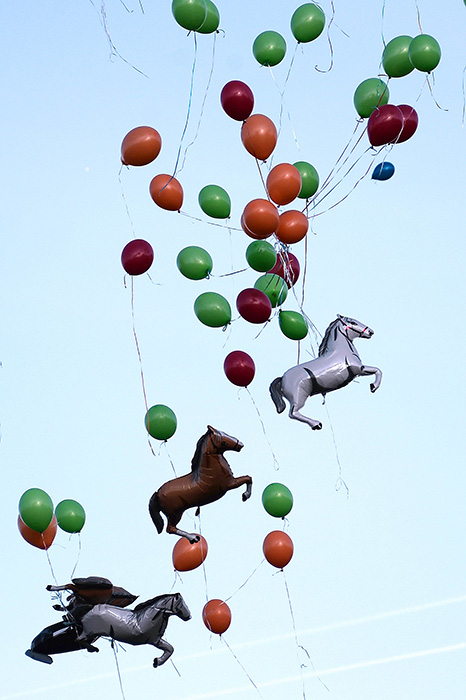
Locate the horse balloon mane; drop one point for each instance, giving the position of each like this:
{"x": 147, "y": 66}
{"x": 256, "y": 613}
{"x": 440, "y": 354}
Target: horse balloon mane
{"x": 210, "y": 478}
{"x": 336, "y": 365}
{"x": 95, "y": 610}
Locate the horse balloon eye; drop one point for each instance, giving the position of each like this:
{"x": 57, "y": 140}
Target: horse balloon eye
{"x": 223, "y": 443}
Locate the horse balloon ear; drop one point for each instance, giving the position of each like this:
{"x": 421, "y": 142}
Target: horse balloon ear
{"x": 210, "y": 429}
{"x": 340, "y": 316}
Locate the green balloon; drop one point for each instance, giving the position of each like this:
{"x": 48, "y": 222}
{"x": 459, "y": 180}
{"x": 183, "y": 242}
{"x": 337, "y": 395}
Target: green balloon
{"x": 424, "y": 53}
{"x": 190, "y": 14}
{"x": 269, "y": 48}
{"x": 309, "y": 179}
{"x": 160, "y": 422}
{"x": 211, "y": 21}
{"x": 215, "y": 201}
{"x": 36, "y": 509}
{"x": 212, "y": 310}
{"x": 292, "y": 324}
{"x": 261, "y": 256}
{"x": 371, "y": 93}
{"x": 277, "y": 500}
{"x": 307, "y": 22}
{"x": 395, "y": 58}
{"x": 274, "y": 287}
{"x": 194, "y": 263}
{"x": 70, "y": 516}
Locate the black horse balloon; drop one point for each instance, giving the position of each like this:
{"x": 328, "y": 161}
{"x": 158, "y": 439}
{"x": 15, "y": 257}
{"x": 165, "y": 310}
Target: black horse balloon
{"x": 96, "y": 610}
{"x": 210, "y": 478}
{"x": 337, "y": 364}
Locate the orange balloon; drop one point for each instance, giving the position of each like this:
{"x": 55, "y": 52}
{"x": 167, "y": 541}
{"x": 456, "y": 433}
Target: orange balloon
{"x": 42, "y": 540}
{"x": 216, "y": 616}
{"x": 259, "y": 136}
{"x": 261, "y": 218}
{"x": 167, "y": 192}
{"x": 292, "y": 226}
{"x": 284, "y": 183}
{"x": 140, "y": 146}
{"x": 187, "y": 556}
{"x": 278, "y": 548}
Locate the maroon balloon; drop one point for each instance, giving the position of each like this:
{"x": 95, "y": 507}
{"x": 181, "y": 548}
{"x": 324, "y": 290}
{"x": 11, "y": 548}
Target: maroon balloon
{"x": 237, "y": 100}
{"x": 137, "y": 257}
{"x": 239, "y": 368}
{"x": 385, "y": 125}
{"x": 254, "y": 305}
{"x": 410, "y": 122}
{"x": 287, "y": 267}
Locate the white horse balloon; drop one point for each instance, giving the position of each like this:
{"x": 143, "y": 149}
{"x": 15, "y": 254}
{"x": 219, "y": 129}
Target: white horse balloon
{"x": 337, "y": 364}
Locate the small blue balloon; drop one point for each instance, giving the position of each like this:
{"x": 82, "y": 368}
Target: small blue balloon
{"x": 383, "y": 171}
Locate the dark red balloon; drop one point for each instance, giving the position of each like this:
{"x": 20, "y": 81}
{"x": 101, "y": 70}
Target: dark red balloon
{"x": 287, "y": 267}
{"x": 137, "y": 257}
{"x": 410, "y": 122}
{"x": 385, "y": 125}
{"x": 239, "y": 368}
{"x": 254, "y": 305}
{"x": 237, "y": 100}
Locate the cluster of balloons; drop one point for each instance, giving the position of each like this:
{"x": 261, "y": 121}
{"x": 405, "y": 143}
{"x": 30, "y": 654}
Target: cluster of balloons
{"x": 307, "y": 23}
{"x": 38, "y": 521}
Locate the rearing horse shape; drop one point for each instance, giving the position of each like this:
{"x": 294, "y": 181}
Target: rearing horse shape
{"x": 337, "y": 364}
{"x": 210, "y": 478}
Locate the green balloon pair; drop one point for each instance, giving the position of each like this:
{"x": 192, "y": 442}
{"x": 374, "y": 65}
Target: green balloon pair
{"x": 36, "y": 511}
{"x": 196, "y": 15}
{"x": 403, "y": 54}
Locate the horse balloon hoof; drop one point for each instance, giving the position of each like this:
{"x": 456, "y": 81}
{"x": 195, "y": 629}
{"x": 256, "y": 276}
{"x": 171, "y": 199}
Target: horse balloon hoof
{"x": 373, "y": 388}
{"x": 155, "y": 662}
{"x": 44, "y": 658}
{"x": 317, "y": 427}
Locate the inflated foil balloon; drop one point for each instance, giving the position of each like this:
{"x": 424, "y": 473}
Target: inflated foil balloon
{"x": 337, "y": 364}
{"x": 237, "y": 100}
{"x": 140, "y": 146}
{"x": 194, "y": 262}
{"x": 269, "y": 48}
{"x": 160, "y": 422}
{"x": 98, "y": 618}
{"x": 210, "y": 478}
{"x": 216, "y": 616}
{"x": 137, "y": 256}
{"x": 307, "y": 22}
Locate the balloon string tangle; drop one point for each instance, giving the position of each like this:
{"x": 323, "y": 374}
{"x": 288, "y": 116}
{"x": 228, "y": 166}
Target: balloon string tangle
{"x": 240, "y": 665}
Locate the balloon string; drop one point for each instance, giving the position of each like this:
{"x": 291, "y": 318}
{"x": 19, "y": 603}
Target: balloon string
{"x": 203, "y": 105}
{"x": 319, "y": 70}
{"x": 245, "y": 582}
{"x": 211, "y": 223}
{"x": 444, "y": 109}
{"x": 79, "y": 555}
{"x": 463, "y": 87}
{"x": 383, "y": 24}
{"x": 275, "y": 460}
{"x": 240, "y": 665}
{"x": 113, "y": 50}
{"x": 298, "y": 645}
{"x": 125, "y": 202}
{"x": 418, "y": 16}
{"x": 340, "y": 481}
{"x": 114, "y": 649}
{"x": 188, "y": 113}
{"x": 137, "y": 346}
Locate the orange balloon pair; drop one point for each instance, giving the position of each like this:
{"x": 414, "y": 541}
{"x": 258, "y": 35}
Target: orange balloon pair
{"x": 140, "y": 146}
{"x": 166, "y": 192}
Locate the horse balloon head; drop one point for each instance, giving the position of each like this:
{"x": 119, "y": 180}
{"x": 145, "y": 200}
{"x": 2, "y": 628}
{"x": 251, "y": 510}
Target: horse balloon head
{"x": 355, "y": 328}
{"x": 180, "y": 608}
{"x": 223, "y": 442}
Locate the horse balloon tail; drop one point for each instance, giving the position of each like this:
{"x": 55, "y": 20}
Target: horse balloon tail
{"x": 275, "y": 393}
{"x": 154, "y": 511}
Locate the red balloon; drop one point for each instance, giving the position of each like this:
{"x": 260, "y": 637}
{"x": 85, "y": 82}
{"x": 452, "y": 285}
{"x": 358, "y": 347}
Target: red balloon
{"x": 254, "y": 305}
{"x": 260, "y": 218}
{"x": 259, "y": 136}
{"x": 278, "y": 548}
{"x": 284, "y": 183}
{"x": 216, "y": 616}
{"x": 410, "y": 122}
{"x": 140, "y": 146}
{"x": 239, "y": 368}
{"x": 287, "y": 267}
{"x": 41, "y": 540}
{"x": 187, "y": 556}
{"x": 385, "y": 125}
{"x": 237, "y": 100}
{"x": 137, "y": 257}
{"x": 167, "y": 192}
{"x": 292, "y": 226}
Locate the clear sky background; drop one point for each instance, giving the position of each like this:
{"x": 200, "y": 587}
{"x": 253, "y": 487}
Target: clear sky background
{"x": 377, "y": 584}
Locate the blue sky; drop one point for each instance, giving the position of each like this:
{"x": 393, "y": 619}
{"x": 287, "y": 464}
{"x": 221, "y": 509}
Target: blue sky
{"x": 377, "y": 581}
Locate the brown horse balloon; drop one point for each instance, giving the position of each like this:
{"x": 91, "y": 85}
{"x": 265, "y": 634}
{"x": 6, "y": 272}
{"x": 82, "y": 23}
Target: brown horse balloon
{"x": 210, "y": 478}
